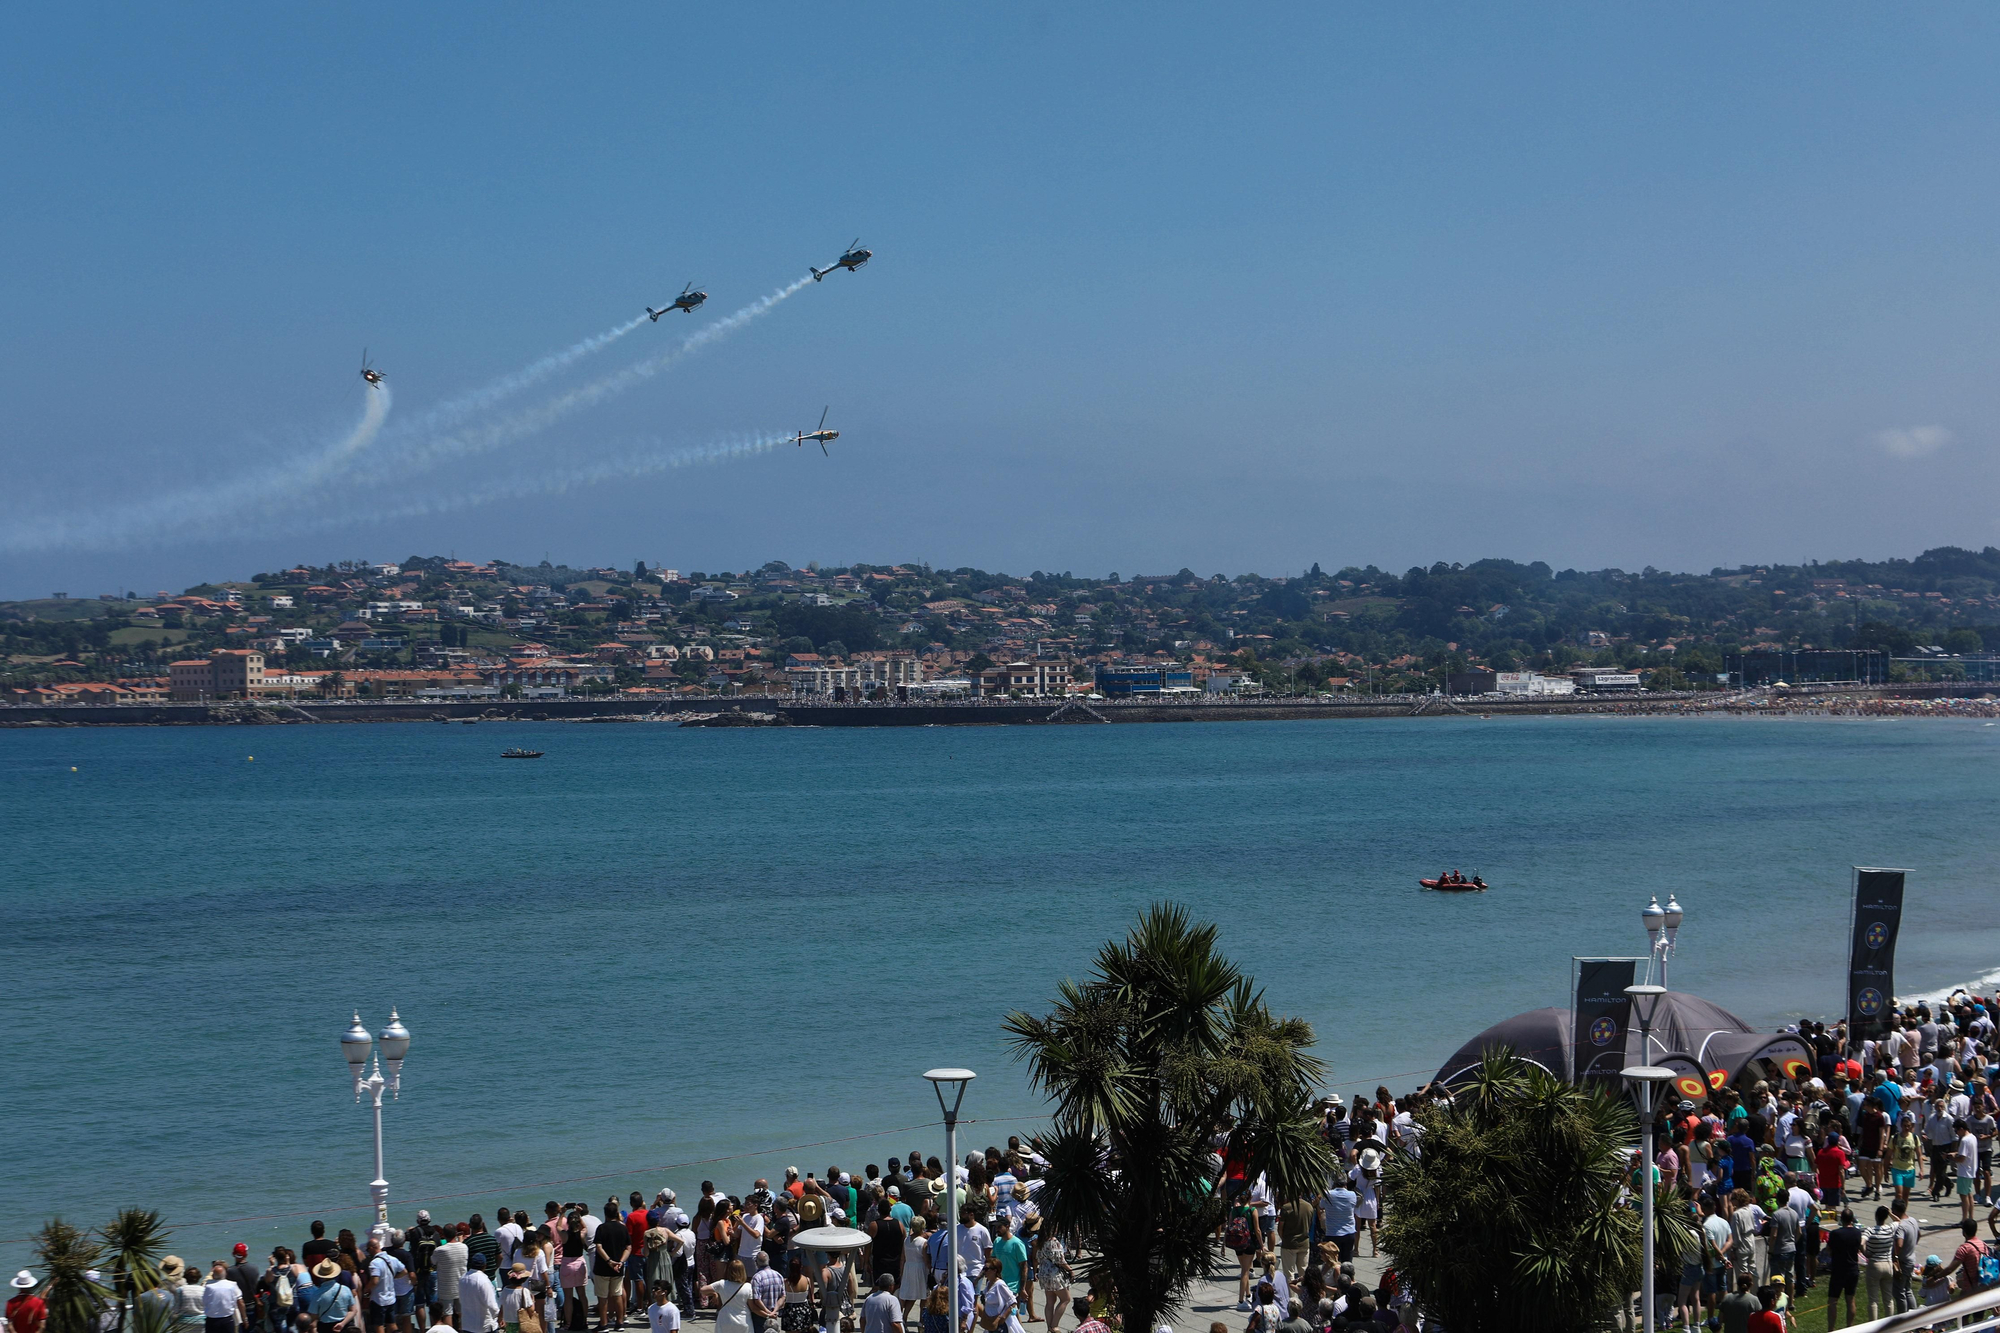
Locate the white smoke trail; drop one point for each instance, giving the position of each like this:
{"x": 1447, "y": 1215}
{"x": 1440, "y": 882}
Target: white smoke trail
{"x": 642, "y": 460}
{"x": 192, "y": 507}
{"x": 452, "y": 411}
{"x": 533, "y": 420}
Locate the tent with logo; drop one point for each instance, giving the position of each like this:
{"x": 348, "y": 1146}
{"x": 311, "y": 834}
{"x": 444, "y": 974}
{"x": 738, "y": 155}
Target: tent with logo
{"x": 1705, "y": 1045}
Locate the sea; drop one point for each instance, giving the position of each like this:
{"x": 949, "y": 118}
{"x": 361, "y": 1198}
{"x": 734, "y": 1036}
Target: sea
{"x": 660, "y": 955}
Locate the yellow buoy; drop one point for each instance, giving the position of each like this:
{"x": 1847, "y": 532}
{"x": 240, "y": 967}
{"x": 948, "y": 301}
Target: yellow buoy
{"x": 251, "y": 758}
{"x": 72, "y": 768}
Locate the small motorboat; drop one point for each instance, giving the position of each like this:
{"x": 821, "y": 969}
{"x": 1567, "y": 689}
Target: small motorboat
{"x": 1444, "y": 884}
{"x": 518, "y": 753}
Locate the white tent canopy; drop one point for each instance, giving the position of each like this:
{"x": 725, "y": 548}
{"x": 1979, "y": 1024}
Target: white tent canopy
{"x": 829, "y": 1238}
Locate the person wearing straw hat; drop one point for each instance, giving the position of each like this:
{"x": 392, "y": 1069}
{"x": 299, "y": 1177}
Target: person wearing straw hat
{"x": 329, "y": 1301}
{"x": 26, "y": 1312}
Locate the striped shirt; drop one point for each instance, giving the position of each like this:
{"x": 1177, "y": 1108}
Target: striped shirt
{"x": 1878, "y": 1244}
{"x": 488, "y": 1244}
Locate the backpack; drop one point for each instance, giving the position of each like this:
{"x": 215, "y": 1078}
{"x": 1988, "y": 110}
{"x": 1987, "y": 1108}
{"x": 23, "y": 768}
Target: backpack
{"x": 281, "y": 1290}
{"x": 1238, "y": 1235}
{"x": 1989, "y": 1266}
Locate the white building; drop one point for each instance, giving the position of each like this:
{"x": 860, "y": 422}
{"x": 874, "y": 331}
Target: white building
{"x": 1598, "y": 680}
{"x": 822, "y": 679}
{"x": 891, "y": 669}
{"x": 1529, "y": 682}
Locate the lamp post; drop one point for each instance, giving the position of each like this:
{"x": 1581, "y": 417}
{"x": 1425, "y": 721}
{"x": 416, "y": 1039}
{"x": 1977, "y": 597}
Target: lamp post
{"x": 395, "y": 1044}
{"x": 957, "y": 1079}
{"x": 1663, "y": 927}
{"x": 1645, "y": 1000}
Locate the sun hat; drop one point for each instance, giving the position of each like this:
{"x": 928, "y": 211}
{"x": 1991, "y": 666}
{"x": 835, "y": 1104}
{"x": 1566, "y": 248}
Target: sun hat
{"x": 171, "y": 1266}
{"x": 326, "y": 1268}
{"x": 23, "y": 1279}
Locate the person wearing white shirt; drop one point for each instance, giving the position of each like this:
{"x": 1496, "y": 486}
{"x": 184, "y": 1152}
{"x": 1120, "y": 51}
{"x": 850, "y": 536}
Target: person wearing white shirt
{"x": 510, "y": 1235}
{"x": 1965, "y": 1169}
{"x": 478, "y": 1303}
{"x": 751, "y": 1225}
{"x": 662, "y": 1316}
{"x": 448, "y": 1265}
{"x": 974, "y": 1241}
{"x": 222, "y": 1301}
{"x": 1266, "y": 1204}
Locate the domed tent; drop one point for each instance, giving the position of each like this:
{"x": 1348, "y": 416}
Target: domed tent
{"x": 1540, "y": 1036}
{"x": 1695, "y": 1038}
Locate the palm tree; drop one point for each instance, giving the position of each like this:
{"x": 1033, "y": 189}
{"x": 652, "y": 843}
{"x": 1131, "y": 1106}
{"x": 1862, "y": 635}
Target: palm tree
{"x": 1146, "y": 1062}
{"x": 67, "y": 1255}
{"x": 132, "y": 1244}
{"x": 1510, "y": 1219}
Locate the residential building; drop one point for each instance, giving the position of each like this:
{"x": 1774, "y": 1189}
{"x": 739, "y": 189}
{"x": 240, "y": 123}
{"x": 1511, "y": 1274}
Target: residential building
{"x": 890, "y": 668}
{"x": 1044, "y": 676}
{"x": 226, "y": 673}
{"x": 822, "y": 679}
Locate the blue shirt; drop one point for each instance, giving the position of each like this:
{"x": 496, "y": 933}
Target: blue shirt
{"x": 1338, "y": 1205}
{"x": 1743, "y": 1156}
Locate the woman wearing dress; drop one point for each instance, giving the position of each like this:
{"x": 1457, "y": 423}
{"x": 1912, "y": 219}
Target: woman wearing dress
{"x": 704, "y": 1237}
{"x": 1053, "y": 1275}
{"x": 797, "y": 1316}
{"x": 997, "y": 1304}
{"x": 1368, "y": 1207}
{"x": 731, "y": 1294}
{"x": 913, "y": 1287}
{"x": 886, "y": 1250}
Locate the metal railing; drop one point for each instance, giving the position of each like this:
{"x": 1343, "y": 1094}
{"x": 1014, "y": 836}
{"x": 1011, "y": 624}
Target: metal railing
{"x": 1934, "y": 1316}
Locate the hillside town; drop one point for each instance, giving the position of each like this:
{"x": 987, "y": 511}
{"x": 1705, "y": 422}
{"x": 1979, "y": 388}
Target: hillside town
{"x": 442, "y": 628}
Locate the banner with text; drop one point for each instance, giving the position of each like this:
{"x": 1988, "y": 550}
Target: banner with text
{"x": 1871, "y": 962}
{"x": 1603, "y": 1013}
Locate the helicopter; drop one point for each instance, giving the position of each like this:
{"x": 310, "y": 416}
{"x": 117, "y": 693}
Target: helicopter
{"x": 819, "y": 432}
{"x": 687, "y": 300}
{"x": 853, "y": 259}
{"x": 369, "y": 373}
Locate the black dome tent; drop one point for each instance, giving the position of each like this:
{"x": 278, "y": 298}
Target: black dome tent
{"x": 1705, "y": 1045}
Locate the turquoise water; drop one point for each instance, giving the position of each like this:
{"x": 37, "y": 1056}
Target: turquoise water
{"x": 657, "y": 946}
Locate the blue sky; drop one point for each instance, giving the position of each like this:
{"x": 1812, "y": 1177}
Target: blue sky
{"x": 1154, "y": 286}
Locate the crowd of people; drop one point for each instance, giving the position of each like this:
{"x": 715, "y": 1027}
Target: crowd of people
{"x": 1809, "y": 1179}
{"x": 1791, "y": 1182}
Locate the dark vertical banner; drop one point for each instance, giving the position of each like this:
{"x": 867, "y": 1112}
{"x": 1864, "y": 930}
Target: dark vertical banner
{"x": 1603, "y": 1014}
{"x": 1871, "y": 961}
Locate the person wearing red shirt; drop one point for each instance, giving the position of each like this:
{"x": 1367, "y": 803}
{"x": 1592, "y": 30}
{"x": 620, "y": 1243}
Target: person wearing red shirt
{"x": 1767, "y": 1320}
{"x": 1831, "y": 1161}
{"x": 635, "y": 1258}
{"x": 25, "y": 1311}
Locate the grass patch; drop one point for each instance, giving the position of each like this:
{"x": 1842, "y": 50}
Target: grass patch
{"x": 133, "y": 636}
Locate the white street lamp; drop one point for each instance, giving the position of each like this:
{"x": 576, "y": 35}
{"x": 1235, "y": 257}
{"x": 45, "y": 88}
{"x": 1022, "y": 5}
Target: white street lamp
{"x": 355, "y": 1044}
{"x": 1663, "y": 928}
{"x": 1645, "y": 1000}
{"x": 956, "y": 1079}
